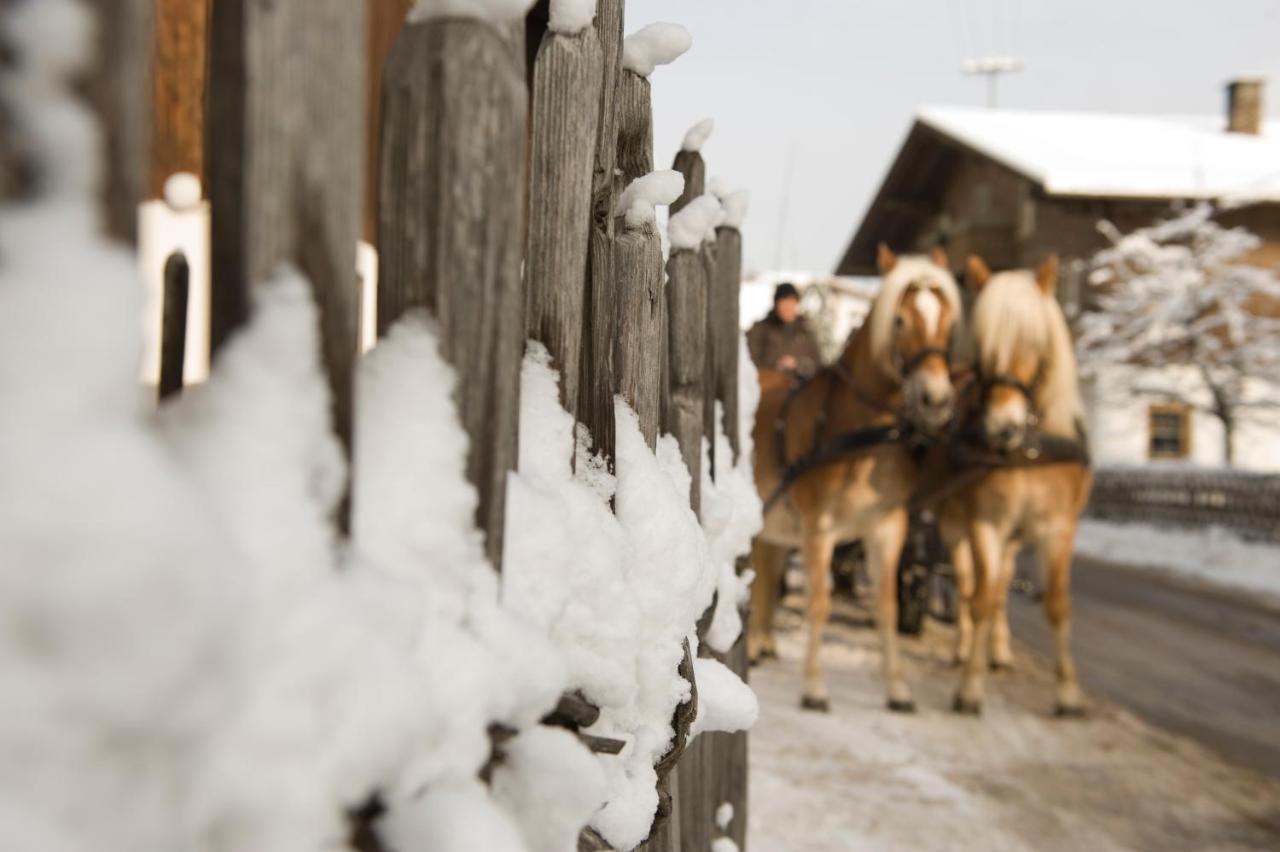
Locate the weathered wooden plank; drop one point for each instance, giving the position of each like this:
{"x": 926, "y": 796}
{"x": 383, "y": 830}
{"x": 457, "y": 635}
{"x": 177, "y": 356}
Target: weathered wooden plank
{"x": 687, "y": 289}
{"x": 284, "y": 166}
{"x": 565, "y": 119}
{"x": 694, "y": 168}
{"x": 178, "y": 90}
{"x": 173, "y": 325}
{"x": 119, "y": 86}
{"x": 386, "y": 17}
{"x": 710, "y": 361}
{"x": 726, "y": 289}
{"x": 453, "y": 135}
{"x": 640, "y": 309}
{"x": 635, "y": 128}
{"x": 596, "y": 382}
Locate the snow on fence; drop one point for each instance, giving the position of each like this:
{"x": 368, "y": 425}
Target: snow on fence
{"x": 1243, "y": 502}
{"x": 266, "y": 616}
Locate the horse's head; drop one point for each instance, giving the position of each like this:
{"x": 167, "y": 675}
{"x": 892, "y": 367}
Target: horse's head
{"x": 1025, "y": 360}
{"x": 911, "y": 331}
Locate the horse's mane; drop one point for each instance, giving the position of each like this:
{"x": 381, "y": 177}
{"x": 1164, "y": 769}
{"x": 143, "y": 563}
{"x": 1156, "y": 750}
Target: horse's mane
{"x": 1012, "y": 315}
{"x": 909, "y": 269}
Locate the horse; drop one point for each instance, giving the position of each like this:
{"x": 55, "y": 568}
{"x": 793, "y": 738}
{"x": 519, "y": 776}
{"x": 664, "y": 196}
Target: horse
{"x": 834, "y": 463}
{"x": 1026, "y": 418}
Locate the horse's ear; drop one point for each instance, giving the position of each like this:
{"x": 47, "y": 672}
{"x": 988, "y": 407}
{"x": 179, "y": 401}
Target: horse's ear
{"x": 976, "y": 272}
{"x": 939, "y": 257}
{"x": 885, "y": 259}
{"x": 1047, "y": 275}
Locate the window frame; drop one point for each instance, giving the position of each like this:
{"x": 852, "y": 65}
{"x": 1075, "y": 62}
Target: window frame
{"x": 1183, "y": 413}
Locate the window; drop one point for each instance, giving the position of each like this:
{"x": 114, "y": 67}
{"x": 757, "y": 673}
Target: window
{"x": 1170, "y": 430}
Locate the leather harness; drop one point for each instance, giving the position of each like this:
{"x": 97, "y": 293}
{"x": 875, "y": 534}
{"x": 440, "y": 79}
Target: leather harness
{"x": 970, "y": 455}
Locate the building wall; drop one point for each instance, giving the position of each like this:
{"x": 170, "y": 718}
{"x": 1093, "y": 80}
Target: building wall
{"x": 1118, "y": 407}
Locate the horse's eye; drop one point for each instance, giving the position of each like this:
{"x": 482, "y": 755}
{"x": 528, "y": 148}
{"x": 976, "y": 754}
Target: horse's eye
{"x": 898, "y": 322}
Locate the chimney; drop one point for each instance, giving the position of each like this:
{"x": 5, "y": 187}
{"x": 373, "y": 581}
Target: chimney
{"x": 1244, "y": 105}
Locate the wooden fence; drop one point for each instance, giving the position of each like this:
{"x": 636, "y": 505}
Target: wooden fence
{"x": 1245, "y": 503}
{"x": 496, "y": 157}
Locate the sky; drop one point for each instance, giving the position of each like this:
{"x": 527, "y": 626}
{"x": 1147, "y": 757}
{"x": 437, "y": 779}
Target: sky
{"x": 812, "y": 98}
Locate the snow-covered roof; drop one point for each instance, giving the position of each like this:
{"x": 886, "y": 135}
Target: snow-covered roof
{"x": 1115, "y": 155}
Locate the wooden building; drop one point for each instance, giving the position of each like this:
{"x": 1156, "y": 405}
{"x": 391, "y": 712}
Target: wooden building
{"x": 1012, "y": 185}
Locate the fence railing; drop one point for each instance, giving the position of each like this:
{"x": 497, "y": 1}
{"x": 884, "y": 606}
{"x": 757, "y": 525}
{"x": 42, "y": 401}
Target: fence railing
{"x": 498, "y": 157}
{"x": 1245, "y": 503}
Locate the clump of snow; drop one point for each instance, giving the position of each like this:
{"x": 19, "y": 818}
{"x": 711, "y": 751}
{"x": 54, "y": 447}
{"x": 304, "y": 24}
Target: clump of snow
{"x": 695, "y": 223}
{"x": 735, "y": 202}
{"x": 570, "y": 17}
{"x": 724, "y": 815}
{"x": 697, "y": 135}
{"x": 550, "y": 785}
{"x": 654, "y": 45}
{"x": 642, "y": 195}
{"x": 494, "y": 11}
{"x": 182, "y": 191}
{"x": 725, "y": 703}
{"x": 459, "y": 817}
{"x": 724, "y": 844}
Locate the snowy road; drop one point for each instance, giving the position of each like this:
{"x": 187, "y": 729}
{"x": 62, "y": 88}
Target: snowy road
{"x": 1199, "y": 661}
{"x": 861, "y": 778}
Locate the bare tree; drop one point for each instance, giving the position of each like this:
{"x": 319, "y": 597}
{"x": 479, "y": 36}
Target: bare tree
{"x": 1176, "y": 299}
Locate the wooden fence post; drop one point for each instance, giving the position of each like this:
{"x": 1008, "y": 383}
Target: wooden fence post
{"x": 687, "y": 356}
{"x": 173, "y": 325}
{"x": 565, "y": 120}
{"x": 637, "y": 263}
{"x": 596, "y": 383}
{"x": 454, "y": 106}
{"x": 726, "y": 288}
{"x": 386, "y": 18}
{"x": 284, "y": 164}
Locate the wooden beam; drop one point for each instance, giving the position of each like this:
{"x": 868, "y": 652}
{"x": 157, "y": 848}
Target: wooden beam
{"x": 386, "y": 18}
{"x": 565, "y": 119}
{"x": 284, "y": 166}
{"x": 454, "y": 109}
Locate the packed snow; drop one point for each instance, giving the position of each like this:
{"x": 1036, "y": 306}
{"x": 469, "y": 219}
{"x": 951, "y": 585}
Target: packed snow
{"x": 695, "y": 223}
{"x": 1142, "y": 156}
{"x": 724, "y": 815}
{"x": 182, "y": 191}
{"x": 570, "y": 17}
{"x": 697, "y": 135}
{"x": 619, "y": 593}
{"x": 497, "y": 12}
{"x": 1214, "y": 556}
{"x": 637, "y": 202}
{"x": 653, "y": 45}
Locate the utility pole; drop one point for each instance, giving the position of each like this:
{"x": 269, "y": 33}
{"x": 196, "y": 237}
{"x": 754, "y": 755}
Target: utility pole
{"x": 992, "y": 67}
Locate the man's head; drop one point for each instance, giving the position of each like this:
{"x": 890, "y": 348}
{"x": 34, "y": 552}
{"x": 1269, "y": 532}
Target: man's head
{"x": 786, "y": 302}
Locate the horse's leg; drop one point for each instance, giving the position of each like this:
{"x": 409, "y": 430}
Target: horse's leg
{"x": 962, "y": 566}
{"x": 1055, "y": 551}
{"x": 816, "y": 550}
{"x": 884, "y": 548}
{"x": 1001, "y": 644}
{"x": 767, "y": 561}
{"x": 988, "y": 552}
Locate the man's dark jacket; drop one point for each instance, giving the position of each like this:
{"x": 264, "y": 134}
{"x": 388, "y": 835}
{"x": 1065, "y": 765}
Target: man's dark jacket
{"x": 771, "y": 338}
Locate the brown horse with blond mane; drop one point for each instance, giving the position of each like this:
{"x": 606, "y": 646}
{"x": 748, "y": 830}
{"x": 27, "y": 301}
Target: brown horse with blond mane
{"x": 1025, "y": 412}
{"x": 834, "y": 459}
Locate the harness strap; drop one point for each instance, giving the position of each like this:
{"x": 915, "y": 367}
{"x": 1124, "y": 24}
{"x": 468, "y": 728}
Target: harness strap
{"x": 837, "y": 449}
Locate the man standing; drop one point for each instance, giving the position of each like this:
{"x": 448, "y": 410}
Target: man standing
{"x": 782, "y": 340}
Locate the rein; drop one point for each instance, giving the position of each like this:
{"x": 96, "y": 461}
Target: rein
{"x": 847, "y": 443}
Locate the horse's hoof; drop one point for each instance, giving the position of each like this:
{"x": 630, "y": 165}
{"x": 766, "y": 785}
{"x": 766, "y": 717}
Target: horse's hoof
{"x": 818, "y": 705}
{"x": 966, "y": 707}
{"x": 1069, "y": 711}
{"x": 902, "y": 705}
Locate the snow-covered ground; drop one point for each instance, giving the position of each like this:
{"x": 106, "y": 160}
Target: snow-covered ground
{"x": 1016, "y": 779}
{"x": 1214, "y": 556}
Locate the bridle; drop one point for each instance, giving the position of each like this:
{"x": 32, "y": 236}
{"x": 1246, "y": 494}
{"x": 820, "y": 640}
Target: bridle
{"x": 1028, "y": 390}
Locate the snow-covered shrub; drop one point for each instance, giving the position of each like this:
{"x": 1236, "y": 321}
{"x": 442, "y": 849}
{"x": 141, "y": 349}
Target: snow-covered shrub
{"x": 1175, "y": 294}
